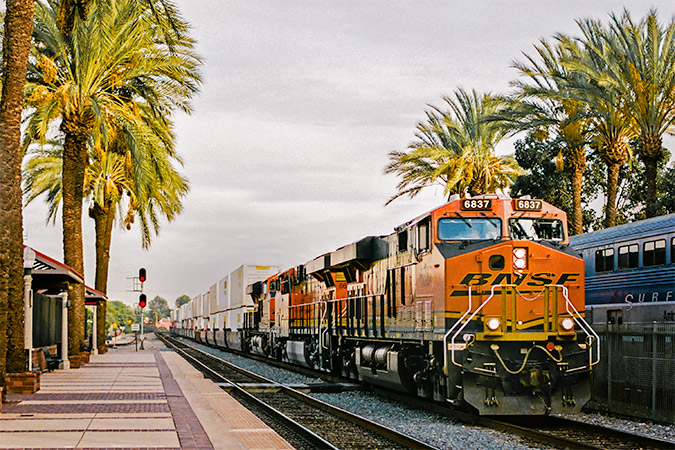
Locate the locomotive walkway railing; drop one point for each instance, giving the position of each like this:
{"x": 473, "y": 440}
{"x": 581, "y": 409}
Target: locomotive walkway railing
{"x": 357, "y": 316}
{"x": 592, "y": 339}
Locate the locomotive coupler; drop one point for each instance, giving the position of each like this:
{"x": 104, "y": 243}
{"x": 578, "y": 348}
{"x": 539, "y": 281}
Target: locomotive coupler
{"x": 568, "y": 396}
{"x": 491, "y": 397}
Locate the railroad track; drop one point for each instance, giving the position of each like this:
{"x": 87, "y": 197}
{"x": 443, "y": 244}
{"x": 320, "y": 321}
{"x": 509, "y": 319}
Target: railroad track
{"x": 569, "y": 433}
{"x": 551, "y": 430}
{"x": 317, "y": 424}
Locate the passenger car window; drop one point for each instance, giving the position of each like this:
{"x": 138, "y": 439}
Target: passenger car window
{"x": 628, "y": 256}
{"x": 604, "y": 260}
{"x": 654, "y": 253}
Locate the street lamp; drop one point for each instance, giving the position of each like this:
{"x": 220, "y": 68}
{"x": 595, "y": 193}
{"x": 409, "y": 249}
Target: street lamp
{"x": 28, "y": 262}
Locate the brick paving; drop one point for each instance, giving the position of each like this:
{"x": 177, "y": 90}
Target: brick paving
{"x": 131, "y": 399}
{"x": 190, "y": 431}
{"x": 125, "y": 408}
{"x": 108, "y": 396}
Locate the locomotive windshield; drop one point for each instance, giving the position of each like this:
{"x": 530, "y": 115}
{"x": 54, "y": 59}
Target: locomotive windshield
{"x": 537, "y": 229}
{"x": 469, "y": 228}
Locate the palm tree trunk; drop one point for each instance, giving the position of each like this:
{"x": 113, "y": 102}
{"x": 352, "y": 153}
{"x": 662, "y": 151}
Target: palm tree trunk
{"x": 103, "y": 219}
{"x": 577, "y": 212}
{"x": 16, "y": 44}
{"x": 575, "y": 162}
{"x": 74, "y": 163}
{"x": 612, "y": 186}
{"x": 651, "y": 173}
{"x": 651, "y": 152}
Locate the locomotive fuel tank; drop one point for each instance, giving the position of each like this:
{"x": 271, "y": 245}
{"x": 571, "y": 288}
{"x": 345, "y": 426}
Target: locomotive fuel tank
{"x": 298, "y": 352}
{"x": 384, "y": 366}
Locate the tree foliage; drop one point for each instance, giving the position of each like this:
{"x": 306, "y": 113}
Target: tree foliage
{"x": 110, "y": 85}
{"x": 158, "y": 309}
{"x": 455, "y": 149}
{"x": 545, "y": 180}
{"x": 183, "y": 299}
{"x": 118, "y": 313}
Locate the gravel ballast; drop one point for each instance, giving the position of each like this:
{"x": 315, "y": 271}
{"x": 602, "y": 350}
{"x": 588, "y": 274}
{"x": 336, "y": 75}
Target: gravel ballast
{"x": 432, "y": 428}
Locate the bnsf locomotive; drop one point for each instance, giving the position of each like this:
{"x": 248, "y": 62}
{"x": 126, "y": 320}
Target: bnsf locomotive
{"x": 479, "y": 302}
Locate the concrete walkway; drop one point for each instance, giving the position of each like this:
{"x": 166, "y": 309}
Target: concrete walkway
{"x": 150, "y": 398}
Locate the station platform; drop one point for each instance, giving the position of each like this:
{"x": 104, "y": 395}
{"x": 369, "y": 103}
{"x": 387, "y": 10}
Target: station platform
{"x": 150, "y": 398}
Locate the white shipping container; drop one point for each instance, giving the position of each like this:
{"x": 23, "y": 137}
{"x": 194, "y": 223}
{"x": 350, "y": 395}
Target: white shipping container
{"x": 205, "y": 305}
{"x": 242, "y": 277}
{"x": 197, "y": 306}
{"x": 223, "y": 294}
{"x": 240, "y": 302}
{"x": 213, "y": 299}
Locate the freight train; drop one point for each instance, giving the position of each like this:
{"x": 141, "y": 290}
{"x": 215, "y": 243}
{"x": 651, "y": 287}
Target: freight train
{"x": 630, "y": 272}
{"x": 478, "y": 303}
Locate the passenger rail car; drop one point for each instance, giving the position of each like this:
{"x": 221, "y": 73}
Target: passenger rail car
{"x": 479, "y": 302}
{"x": 630, "y": 271}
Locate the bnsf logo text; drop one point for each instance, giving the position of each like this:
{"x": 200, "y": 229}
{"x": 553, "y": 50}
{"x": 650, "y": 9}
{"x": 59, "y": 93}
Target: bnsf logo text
{"x": 525, "y": 279}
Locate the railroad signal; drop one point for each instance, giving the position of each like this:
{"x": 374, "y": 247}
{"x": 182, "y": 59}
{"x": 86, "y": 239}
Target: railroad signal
{"x": 142, "y": 300}
{"x": 142, "y": 276}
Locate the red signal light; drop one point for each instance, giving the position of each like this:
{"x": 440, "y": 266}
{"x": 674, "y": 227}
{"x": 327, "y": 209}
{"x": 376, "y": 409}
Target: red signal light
{"x": 142, "y": 276}
{"x": 142, "y": 301}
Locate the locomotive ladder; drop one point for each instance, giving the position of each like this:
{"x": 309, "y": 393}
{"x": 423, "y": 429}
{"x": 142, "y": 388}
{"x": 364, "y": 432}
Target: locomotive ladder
{"x": 592, "y": 338}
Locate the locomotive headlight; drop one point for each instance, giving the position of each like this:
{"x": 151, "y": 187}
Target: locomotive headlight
{"x": 493, "y": 323}
{"x": 520, "y": 258}
{"x": 567, "y": 324}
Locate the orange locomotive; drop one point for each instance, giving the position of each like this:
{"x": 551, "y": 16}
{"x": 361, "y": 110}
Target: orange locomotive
{"x": 478, "y": 302}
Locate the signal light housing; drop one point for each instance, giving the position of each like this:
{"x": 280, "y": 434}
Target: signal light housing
{"x": 142, "y": 275}
{"x": 142, "y": 300}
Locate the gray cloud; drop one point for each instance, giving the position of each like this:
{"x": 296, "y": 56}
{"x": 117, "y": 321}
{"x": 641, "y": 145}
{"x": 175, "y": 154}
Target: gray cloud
{"x": 300, "y": 105}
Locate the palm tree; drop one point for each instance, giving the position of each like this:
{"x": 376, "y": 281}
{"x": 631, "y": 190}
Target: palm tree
{"x": 540, "y": 105}
{"x": 95, "y": 81}
{"x": 642, "y": 70}
{"x": 455, "y": 149}
{"x": 608, "y": 125}
{"x": 17, "y": 28}
{"x": 113, "y": 191}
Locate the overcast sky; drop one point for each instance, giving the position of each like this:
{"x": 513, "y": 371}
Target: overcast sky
{"x": 300, "y": 105}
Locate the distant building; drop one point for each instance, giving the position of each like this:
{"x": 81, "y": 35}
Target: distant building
{"x": 164, "y": 323}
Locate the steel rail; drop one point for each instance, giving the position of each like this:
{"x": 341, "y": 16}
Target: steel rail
{"x": 312, "y": 438}
{"x": 381, "y": 430}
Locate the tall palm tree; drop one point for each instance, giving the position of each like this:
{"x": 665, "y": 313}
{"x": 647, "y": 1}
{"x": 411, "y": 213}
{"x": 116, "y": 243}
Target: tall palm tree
{"x": 608, "y": 126}
{"x": 540, "y": 105}
{"x": 86, "y": 80}
{"x": 17, "y": 28}
{"x": 455, "y": 149}
{"x": 642, "y": 70}
{"x": 113, "y": 191}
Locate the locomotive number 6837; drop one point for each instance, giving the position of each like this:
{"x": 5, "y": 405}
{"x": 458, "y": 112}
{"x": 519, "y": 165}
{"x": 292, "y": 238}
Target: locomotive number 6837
{"x": 478, "y": 302}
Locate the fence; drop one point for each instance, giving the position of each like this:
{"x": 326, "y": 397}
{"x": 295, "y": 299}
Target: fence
{"x": 636, "y": 374}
